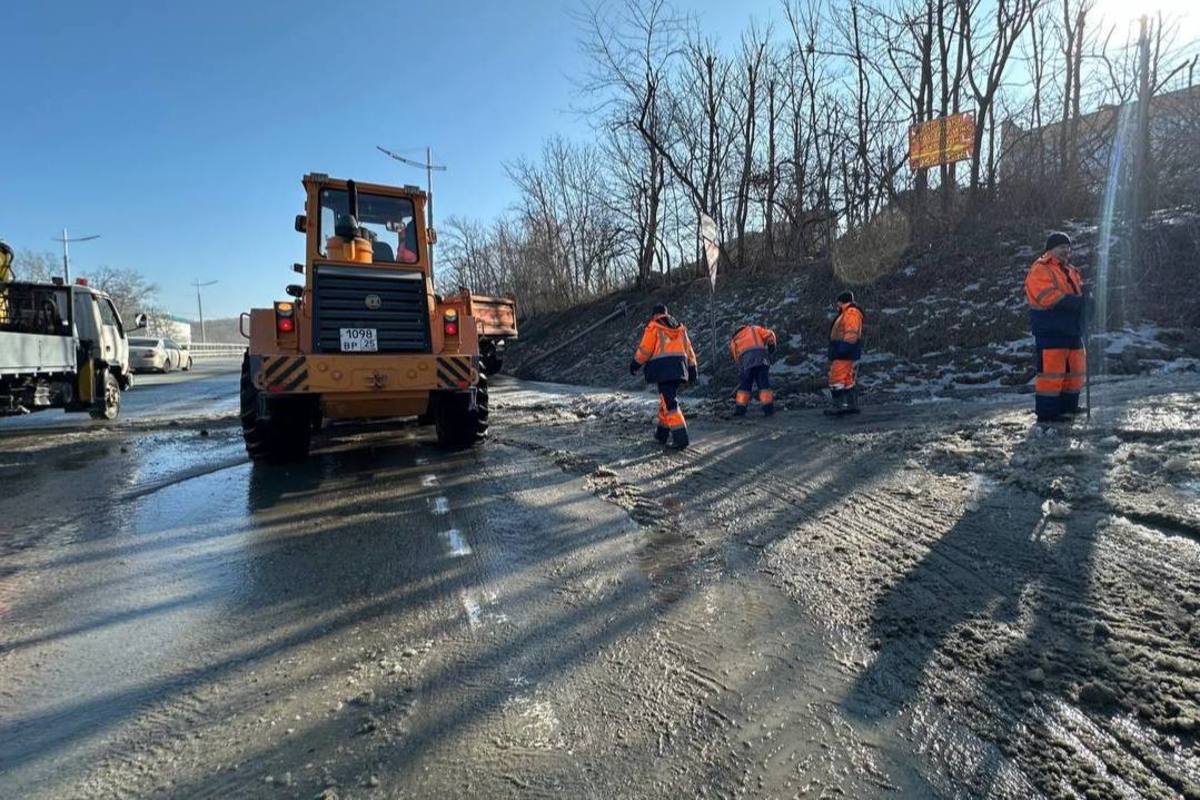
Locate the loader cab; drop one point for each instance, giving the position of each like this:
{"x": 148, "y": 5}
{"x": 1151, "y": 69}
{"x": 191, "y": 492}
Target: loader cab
{"x": 367, "y": 282}
{"x": 368, "y": 224}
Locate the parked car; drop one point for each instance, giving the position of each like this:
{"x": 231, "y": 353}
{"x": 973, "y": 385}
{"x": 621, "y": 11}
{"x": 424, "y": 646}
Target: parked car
{"x": 147, "y": 354}
{"x": 185, "y": 356}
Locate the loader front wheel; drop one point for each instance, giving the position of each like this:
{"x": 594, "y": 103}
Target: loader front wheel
{"x": 283, "y": 436}
{"x": 458, "y": 425}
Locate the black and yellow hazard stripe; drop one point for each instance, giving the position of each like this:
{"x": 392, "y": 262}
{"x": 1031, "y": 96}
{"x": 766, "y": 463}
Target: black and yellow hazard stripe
{"x": 454, "y": 371}
{"x": 284, "y": 373}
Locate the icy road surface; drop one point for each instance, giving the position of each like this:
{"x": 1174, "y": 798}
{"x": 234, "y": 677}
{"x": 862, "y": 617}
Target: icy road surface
{"x": 932, "y": 601}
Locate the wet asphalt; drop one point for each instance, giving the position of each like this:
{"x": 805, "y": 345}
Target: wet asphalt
{"x": 155, "y": 586}
{"x": 203, "y": 390}
{"x": 388, "y": 619}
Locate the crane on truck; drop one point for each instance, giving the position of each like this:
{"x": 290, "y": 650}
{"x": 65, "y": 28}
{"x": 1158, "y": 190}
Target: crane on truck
{"x": 366, "y": 335}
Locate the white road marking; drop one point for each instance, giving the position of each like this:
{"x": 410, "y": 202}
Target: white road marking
{"x": 440, "y": 505}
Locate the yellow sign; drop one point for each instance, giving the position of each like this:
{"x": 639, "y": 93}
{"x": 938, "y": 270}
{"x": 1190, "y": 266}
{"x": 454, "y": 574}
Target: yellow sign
{"x": 941, "y": 141}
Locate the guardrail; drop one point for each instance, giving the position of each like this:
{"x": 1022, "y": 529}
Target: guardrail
{"x": 201, "y": 351}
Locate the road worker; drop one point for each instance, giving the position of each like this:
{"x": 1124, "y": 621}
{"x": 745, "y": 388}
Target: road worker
{"x": 752, "y": 347}
{"x": 1054, "y": 290}
{"x": 845, "y": 348}
{"x": 666, "y": 353}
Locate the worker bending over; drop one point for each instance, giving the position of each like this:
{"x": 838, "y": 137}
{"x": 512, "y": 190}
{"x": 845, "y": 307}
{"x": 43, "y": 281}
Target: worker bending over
{"x": 666, "y": 353}
{"x": 752, "y": 347}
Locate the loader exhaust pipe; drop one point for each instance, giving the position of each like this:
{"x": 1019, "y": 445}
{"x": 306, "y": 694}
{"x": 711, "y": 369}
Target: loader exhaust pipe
{"x": 352, "y": 193}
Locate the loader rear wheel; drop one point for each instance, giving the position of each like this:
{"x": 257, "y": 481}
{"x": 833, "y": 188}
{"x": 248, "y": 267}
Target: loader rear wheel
{"x": 457, "y": 424}
{"x": 284, "y": 436}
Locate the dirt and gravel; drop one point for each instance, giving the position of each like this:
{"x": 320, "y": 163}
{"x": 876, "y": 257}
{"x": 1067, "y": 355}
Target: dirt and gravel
{"x": 932, "y": 600}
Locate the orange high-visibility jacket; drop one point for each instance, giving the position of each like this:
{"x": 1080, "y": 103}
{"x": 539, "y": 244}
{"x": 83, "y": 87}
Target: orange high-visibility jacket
{"x": 845, "y": 337}
{"x": 751, "y": 346}
{"x": 665, "y": 350}
{"x": 1055, "y": 294}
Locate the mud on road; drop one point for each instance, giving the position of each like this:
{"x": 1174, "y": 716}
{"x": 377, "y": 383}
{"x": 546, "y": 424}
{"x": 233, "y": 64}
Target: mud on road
{"x": 928, "y": 601}
{"x": 1015, "y": 602}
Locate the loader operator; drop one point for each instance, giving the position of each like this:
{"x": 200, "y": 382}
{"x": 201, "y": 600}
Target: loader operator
{"x": 752, "y": 347}
{"x": 1057, "y": 304}
{"x": 666, "y": 352}
{"x": 845, "y": 349}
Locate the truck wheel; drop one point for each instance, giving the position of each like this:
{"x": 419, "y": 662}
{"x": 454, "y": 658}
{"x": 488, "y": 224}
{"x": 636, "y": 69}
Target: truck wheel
{"x": 489, "y": 357}
{"x": 456, "y": 424}
{"x": 285, "y": 436}
{"x": 110, "y": 405}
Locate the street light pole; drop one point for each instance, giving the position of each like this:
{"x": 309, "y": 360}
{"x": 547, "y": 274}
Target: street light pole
{"x": 429, "y": 167}
{"x": 200, "y": 308}
{"x": 66, "y": 254}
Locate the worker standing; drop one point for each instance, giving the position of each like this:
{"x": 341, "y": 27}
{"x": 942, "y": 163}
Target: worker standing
{"x": 666, "y": 352}
{"x": 752, "y": 347}
{"x": 1054, "y": 290}
{"x": 845, "y": 348}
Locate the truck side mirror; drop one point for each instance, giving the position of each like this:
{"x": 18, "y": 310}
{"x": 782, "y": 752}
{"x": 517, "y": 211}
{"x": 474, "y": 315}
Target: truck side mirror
{"x": 295, "y": 290}
{"x": 431, "y": 235}
{"x": 301, "y": 223}
{"x": 139, "y": 322}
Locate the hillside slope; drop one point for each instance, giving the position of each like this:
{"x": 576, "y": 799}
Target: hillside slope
{"x": 948, "y": 320}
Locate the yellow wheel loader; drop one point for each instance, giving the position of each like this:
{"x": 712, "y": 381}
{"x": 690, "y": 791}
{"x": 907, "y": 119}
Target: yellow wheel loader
{"x": 366, "y": 336}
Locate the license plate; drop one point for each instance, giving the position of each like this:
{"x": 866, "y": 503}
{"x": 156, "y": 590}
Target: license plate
{"x": 359, "y": 340}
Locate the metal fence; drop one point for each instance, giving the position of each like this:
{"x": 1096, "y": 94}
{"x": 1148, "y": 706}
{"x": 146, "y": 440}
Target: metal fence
{"x": 213, "y": 351}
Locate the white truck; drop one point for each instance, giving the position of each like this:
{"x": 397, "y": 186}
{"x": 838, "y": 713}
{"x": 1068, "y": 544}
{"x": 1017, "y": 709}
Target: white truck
{"x": 62, "y": 347}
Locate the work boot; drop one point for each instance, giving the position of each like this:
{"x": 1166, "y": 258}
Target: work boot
{"x": 838, "y": 403}
{"x": 680, "y": 435}
{"x": 661, "y": 434}
{"x": 852, "y": 400}
{"x": 739, "y": 411}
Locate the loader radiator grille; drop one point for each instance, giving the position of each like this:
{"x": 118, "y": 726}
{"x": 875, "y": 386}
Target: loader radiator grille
{"x": 390, "y": 301}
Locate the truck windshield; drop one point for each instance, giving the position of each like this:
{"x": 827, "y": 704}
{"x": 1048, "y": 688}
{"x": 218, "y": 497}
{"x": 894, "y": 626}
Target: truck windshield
{"x": 387, "y": 221}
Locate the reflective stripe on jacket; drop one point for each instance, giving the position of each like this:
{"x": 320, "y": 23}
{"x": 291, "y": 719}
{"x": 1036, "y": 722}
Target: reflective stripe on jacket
{"x": 751, "y": 346}
{"x": 845, "y": 337}
{"x": 665, "y": 350}
{"x": 1055, "y": 294}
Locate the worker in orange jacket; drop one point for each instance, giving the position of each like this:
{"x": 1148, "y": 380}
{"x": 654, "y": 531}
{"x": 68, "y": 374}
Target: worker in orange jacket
{"x": 752, "y": 347}
{"x": 1057, "y": 313}
{"x": 666, "y": 352}
{"x": 845, "y": 349}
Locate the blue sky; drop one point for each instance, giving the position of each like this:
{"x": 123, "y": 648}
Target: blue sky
{"x": 179, "y": 131}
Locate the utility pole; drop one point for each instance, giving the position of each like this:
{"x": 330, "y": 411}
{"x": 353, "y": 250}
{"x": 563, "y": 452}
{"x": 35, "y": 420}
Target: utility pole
{"x": 200, "y": 307}
{"x": 66, "y": 254}
{"x": 429, "y": 168}
{"x": 1141, "y": 157}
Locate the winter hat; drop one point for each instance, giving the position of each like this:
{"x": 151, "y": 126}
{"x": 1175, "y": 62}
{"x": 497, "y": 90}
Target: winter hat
{"x": 658, "y": 310}
{"x": 846, "y": 297}
{"x": 1055, "y": 239}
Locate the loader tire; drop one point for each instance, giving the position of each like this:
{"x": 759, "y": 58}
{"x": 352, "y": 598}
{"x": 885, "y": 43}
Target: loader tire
{"x": 285, "y": 436}
{"x": 458, "y": 425}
